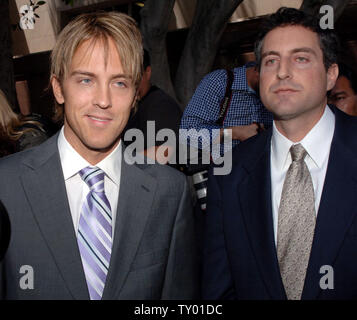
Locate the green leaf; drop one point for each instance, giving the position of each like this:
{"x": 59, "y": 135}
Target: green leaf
{"x": 36, "y": 15}
{"x": 40, "y": 3}
{"x": 71, "y": 2}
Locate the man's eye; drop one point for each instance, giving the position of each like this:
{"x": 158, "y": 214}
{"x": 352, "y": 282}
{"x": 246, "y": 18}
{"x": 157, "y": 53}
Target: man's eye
{"x": 340, "y": 98}
{"x": 270, "y": 62}
{"x": 120, "y": 84}
{"x": 85, "y": 81}
{"x": 302, "y": 59}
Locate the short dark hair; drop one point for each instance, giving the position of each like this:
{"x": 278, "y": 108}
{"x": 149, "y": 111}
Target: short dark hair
{"x": 146, "y": 61}
{"x": 329, "y": 42}
{"x": 348, "y": 72}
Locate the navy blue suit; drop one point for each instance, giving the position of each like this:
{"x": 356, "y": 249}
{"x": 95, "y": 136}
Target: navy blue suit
{"x": 240, "y": 259}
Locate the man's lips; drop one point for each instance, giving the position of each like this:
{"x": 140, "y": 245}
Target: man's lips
{"x": 285, "y": 90}
{"x": 98, "y": 118}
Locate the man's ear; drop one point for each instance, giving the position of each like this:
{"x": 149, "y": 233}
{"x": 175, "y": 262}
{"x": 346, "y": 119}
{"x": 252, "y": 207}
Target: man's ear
{"x": 136, "y": 99}
{"x": 57, "y": 90}
{"x": 148, "y": 72}
{"x": 332, "y": 74}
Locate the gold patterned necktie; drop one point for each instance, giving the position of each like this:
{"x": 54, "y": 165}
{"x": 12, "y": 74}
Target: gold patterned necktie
{"x": 296, "y": 224}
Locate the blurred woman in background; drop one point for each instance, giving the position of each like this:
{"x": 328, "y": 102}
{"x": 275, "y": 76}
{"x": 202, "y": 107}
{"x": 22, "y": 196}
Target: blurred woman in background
{"x": 17, "y": 132}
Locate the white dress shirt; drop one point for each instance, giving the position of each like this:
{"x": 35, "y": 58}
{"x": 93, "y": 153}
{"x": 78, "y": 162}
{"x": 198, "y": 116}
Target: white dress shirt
{"x": 317, "y": 143}
{"x": 77, "y": 189}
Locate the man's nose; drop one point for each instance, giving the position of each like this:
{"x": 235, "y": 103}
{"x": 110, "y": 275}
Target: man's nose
{"x": 103, "y": 98}
{"x": 284, "y": 69}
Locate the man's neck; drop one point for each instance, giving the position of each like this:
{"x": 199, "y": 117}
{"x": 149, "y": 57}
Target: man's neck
{"x": 296, "y": 129}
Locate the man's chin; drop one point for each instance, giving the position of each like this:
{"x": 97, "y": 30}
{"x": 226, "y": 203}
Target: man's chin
{"x": 102, "y": 147}
{"x": 282, "y": 112}
{"x": 283, "y": 117}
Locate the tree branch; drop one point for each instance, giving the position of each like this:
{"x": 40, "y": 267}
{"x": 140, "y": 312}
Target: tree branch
{"x": 7, "y": 83}
{"x": 201, "y": 46}
{"x": 155, "y": 18}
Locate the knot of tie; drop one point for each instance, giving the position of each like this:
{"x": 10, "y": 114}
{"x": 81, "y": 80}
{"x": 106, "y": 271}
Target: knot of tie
{"x": 298, "y": 152}
{"x": 94, "y": 178}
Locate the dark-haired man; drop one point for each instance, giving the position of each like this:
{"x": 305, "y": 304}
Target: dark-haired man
{"x": 283, "y": 224}
{"x": 162, "y": 111}
{"x": 344, "y": 93}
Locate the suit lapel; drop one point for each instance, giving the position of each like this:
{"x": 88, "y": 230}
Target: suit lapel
{"x": 136, "y": 195}
{"x": 43, "y": 183}
{"x": 255, "y": 199}
{"x": 337, "y": 206}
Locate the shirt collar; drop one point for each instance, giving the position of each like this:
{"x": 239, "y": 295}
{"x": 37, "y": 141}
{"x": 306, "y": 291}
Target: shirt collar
{"x": 72, "y": 162}
{"x": 317, "y": 142}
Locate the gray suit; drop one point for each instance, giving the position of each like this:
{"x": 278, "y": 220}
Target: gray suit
{"x": 153, "y": 254}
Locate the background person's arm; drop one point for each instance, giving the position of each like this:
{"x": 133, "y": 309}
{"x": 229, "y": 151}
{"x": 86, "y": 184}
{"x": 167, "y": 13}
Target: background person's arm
{"x": 161, "y": 154}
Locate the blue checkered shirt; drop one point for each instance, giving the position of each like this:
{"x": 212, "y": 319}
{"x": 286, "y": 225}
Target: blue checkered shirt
{"x": 202, "y": 111}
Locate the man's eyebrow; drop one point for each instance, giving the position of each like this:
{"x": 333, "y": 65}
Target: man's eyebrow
{"x": 304, "y": 49}
{"x": 91, "y": 74}
{"x": 338, "y": 93}
{"x": 296, "y": 50}
{"x": 270, "y": 53}
{"x": 82, "y": 73}
{"x": 121, "y": 75}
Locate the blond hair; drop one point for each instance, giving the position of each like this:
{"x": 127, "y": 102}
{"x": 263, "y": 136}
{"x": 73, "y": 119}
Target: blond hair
{"x": 10, "y": 122}
{"x": 102, "y": 26}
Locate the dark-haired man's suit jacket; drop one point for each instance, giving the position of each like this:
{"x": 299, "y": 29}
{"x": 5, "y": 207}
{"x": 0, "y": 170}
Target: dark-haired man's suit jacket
{"x": 153, "y": 255}
{"x": 4, "y": 231}
{"x": 240, "y": 260}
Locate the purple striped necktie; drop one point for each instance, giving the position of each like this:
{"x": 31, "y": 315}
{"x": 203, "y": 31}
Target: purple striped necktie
{"x": 95, "y": 232}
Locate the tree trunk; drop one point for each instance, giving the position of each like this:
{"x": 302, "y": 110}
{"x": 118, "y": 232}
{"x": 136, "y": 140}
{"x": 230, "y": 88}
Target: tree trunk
{"x": 155, "y": 18}
{"x": 201, "y": 46}
{"x": 6, "y": 64}
{"x": 313, "y": 6}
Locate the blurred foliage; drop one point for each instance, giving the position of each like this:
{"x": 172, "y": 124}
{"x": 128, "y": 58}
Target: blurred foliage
{"x": 71, "y": 2}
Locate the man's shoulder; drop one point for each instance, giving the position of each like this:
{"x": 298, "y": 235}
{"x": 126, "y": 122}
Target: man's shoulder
{"x": 159, "y": 100}
{"x": 30, "y": 156}
{"x": 163, "y": 173}
{"x": 16, "y": 158}
{"x": 248, "y": 153}
{"x": 345, "y": 129}
{"x": 11, "y": 160}
{"x": 168, "y": 182}
{"x": 219, "y": 75}
{"x": 218, "y": 79}
{"x": 11, "y": 166}
{"x": 245, "y": 158}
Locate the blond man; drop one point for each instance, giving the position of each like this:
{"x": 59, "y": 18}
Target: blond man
{"x": 86, "y": 224}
